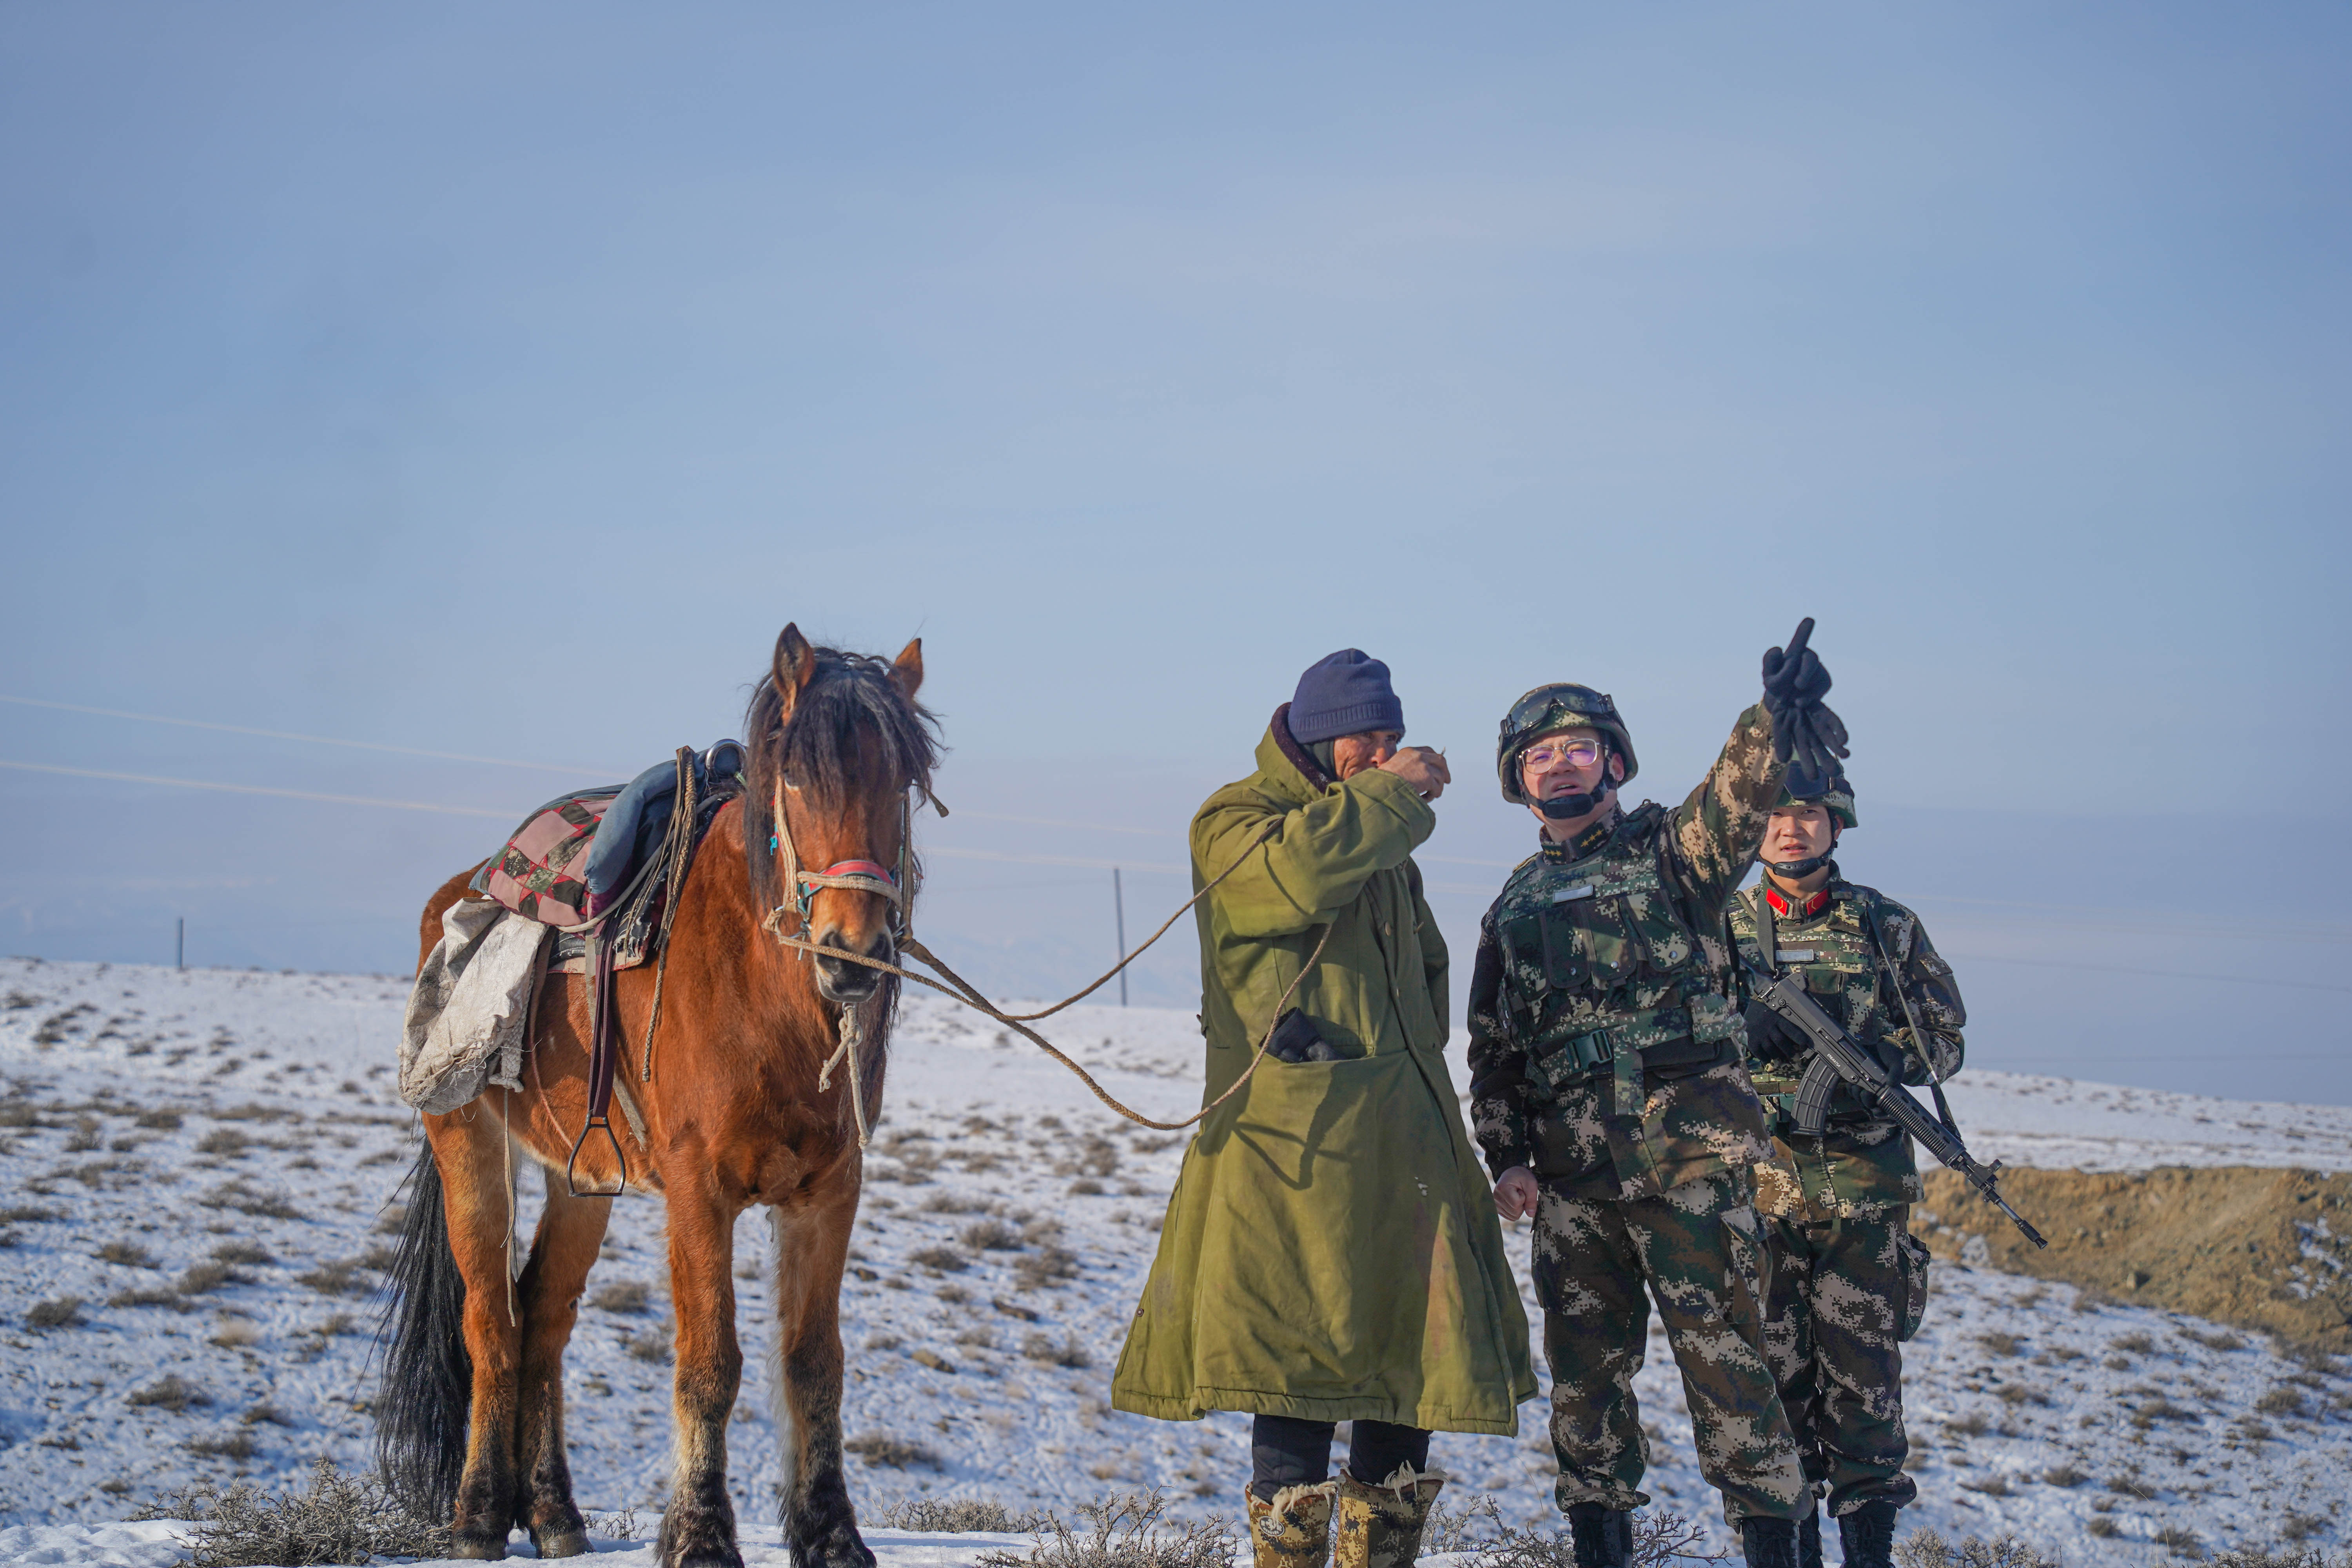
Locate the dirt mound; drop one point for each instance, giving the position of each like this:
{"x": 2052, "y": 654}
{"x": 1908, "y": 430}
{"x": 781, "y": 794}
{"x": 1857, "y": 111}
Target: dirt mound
{"x": 2258, "y": 1248}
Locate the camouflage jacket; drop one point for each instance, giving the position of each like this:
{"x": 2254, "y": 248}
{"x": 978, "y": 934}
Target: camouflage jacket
{"x": 1604, "y": 1053}
{"x": 1863, "y": 1158}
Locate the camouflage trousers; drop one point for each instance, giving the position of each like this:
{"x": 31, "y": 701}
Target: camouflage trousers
{"x": 1697, "y": 1247}
{"x": 1832, "y": 1334}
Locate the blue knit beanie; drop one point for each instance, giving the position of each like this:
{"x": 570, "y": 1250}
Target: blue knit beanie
{"x": 1345, "y": 694}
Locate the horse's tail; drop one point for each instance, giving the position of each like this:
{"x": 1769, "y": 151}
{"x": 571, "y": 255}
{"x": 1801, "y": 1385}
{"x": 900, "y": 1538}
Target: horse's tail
{"x": 428, "y": 1378}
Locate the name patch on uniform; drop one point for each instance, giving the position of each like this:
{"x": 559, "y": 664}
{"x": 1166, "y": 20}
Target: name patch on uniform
{"x": 1796, "y": 955}
{"x": 1581, "y": 890}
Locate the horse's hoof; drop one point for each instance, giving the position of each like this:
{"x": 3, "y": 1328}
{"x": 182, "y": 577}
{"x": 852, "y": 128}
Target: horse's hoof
{"x": 478, "y": 1548}
{"x": 709, "y": 1554}
{"x": 698, "y": 1544}
{"x": 839, "y": 1547}
{"x": 562, "y": 1542}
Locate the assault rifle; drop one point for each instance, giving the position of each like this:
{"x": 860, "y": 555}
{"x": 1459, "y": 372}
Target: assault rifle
{"x": 1838, "y": 1058}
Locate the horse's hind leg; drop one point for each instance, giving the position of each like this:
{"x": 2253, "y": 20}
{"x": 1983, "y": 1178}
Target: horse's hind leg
{"x": 571, "y": 1230}
{"x": 812, "y": 1248}
{"x": 470, "y": 1145}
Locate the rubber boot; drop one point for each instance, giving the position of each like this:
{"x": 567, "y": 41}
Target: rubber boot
{"x": 1603, "y": 1536}
{"x": 1294, "y": 1530}
{"x": 1809, "y": 1539}
{"x": 1380, "y": 1527}
{"x": 1868, "y": 1534}
{"x": 1768, "y": 1542}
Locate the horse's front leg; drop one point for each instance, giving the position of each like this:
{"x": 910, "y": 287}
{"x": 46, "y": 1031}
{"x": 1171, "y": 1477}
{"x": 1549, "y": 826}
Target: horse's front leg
{"x": 812, "y": 1248}
{"x": 699, "y": 1531}
{"x": 571, "y": 1230}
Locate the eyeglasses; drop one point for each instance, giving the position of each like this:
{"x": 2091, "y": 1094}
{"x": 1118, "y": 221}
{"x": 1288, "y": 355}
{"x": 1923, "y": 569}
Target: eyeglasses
{"x": 1578, "y": 751}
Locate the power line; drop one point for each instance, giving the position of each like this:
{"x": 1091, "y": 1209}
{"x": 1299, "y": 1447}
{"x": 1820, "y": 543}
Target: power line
{"x": 313, "y": 739}
{"x": 261, "y": 789}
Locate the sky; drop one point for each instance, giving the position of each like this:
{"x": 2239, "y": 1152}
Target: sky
{"x": 499, "y": 382}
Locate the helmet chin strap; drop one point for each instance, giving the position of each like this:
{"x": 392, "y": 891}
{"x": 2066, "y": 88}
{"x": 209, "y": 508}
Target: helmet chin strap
{"x": 1561, "y": 808}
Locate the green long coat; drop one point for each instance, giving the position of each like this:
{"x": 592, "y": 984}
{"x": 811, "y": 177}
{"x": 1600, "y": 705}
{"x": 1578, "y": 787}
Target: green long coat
{"x": 1331, "y": 1250}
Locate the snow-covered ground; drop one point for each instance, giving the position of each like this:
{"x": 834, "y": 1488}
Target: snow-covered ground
{"x": 203, "y": 1158}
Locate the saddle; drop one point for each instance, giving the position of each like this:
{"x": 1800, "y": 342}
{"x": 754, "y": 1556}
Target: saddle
{"x": 600, "y": 862}
{"x": 604, "y": 867}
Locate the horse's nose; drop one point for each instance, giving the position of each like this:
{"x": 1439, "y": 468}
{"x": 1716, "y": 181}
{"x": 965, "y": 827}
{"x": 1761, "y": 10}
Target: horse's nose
{"x": 838, "y": 979}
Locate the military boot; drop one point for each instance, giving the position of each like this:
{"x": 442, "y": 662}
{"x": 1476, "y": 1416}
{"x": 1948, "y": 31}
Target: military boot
{"x": 1603, "y": 1536}
{"x": 1294, "y": 1530}
{"x": 1809, "y": 1539}
{"x": 1380, "y": 1527}
{"x": 1768, "y": 1542}
{"x": 1868, "y": 1534}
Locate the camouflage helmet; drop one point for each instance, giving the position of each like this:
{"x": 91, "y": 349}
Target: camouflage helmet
{"x": 1837, "y": 800}
{"x": 1546, "y": 711}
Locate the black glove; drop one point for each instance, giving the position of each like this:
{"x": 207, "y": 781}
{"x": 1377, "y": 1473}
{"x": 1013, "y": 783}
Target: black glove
{"x": 1807, "y": 737}
{"x": 1771, "y": 1038}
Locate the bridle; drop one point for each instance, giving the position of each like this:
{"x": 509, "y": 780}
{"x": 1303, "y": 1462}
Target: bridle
{"x": 800, "y": 887}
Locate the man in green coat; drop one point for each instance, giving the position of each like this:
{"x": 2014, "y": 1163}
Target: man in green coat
{"x": 1330, "y": 1252}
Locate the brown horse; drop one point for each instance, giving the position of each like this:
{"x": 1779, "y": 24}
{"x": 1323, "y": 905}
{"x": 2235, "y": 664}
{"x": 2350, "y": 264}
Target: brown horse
{"x": 471, "y": 1413}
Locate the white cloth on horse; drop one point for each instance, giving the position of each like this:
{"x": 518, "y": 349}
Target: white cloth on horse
{"x": 471, "y": 1005}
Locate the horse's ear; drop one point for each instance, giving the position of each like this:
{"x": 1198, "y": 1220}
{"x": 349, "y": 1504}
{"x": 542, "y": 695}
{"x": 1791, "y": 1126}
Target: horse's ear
{"x": 909, "y": 669}
{"x": 795, "y": 662}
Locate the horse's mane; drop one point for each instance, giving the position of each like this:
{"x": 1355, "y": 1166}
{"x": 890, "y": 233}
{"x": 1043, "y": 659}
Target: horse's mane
{"x": 821, "y": 753}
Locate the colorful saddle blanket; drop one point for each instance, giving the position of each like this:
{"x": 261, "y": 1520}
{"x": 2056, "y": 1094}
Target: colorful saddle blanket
{"x": 599, "y": 858}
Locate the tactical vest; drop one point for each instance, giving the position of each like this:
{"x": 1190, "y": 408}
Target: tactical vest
{"x": 1835, "y": 955}
{"x": 1602, "y": 961}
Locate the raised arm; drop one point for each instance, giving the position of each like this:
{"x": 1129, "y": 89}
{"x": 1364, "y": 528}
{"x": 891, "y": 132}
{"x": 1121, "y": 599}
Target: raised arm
{"x": 1719, "y": 825}
{"x": 1318, "y": 858}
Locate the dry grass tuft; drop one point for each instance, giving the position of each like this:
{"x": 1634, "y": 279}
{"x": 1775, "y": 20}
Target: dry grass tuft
{"x": 896, "y": 1453}
{"x": 2133, "y": 1344}
{"x": 991, "y": 1235}
{"x": 1125, "y": 1531}
{"x": 235, "y": 1333}
{"x": 129, "y": 1254}
{"x": 1045, "y": 1267}
{"x": 1926, "y": 1548}
{"x": 242, "y": 1252}
{"x": 171, "y": 1393}
{"x": 340, "y": 1278}
{"x": 952, "y": 1203}
{"x": 2000, "y": 1343}
{"x": 202, "y": 1278}
{"x": 653, "y": 1345}
{"x": 945, "y": 1259}
{"x": 1069, "y": 1352}
{"x": 150, "y": 1297}
{"x": 63, "y": 1312}
{"x": 627, "y": 1297}
{"x": 955, "y": 1516}
{"x": 340, "y": 1518}
{"x": 235, "y": 1445}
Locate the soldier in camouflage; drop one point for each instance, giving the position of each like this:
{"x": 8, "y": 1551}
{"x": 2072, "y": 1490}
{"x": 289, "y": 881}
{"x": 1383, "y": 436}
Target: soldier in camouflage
{"x": 1848, "y": 1279}
{"x": 1612, "y": 1101}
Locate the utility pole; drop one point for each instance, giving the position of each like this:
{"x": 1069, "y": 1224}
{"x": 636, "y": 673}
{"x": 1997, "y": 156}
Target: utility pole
{"x": 180, "y": 945}
{"x": 1118, "y": 907}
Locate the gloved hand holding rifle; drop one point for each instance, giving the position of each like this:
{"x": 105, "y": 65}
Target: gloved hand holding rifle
{"x": 1838, "y": 1057}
